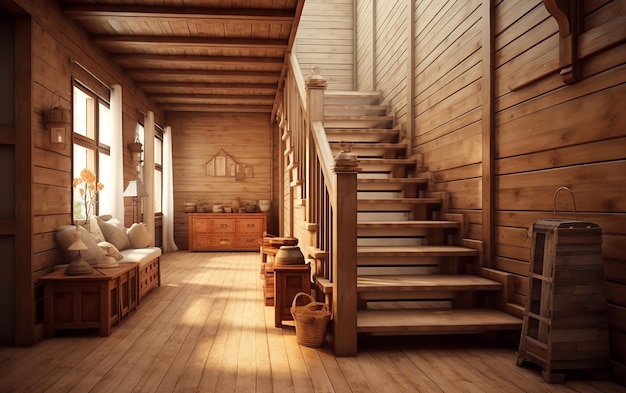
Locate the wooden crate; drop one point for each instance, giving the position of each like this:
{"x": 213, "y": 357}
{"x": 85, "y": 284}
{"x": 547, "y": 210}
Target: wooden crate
{"x": 565, "y": 323}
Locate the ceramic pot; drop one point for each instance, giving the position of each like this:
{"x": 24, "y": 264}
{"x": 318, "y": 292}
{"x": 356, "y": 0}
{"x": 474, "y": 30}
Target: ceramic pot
{"x": 289, "y": 255}
{"x": 264, "y": 205}
{"x": 236, "y": 204}
{"x": 189, "y": 207}
{"x": 218, "y": 209}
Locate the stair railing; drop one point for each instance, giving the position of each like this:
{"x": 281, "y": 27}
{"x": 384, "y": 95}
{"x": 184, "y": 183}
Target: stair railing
{"x": 330, "y": 189}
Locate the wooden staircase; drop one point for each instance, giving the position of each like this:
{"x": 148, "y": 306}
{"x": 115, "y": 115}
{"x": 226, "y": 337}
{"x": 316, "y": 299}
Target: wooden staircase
{"x": 413, "y": 278}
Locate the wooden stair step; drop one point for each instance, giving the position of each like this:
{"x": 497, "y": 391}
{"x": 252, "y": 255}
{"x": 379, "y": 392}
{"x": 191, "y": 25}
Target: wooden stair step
{"x": 383, "y": 121}
{"x": 385, "y": 165}
{"x": 426, "y": 282}
{"x": 393, "y": 204}
{"x": 388, "y": 184}
{"x": 416, "y": 251}
{"x": 428, "y": 224}
{"x": 355, "y": 109}
{"x": 403, "y": 228}
{"x": 361, "y": 134}
{"x": 435, "y": 321}
{"x": 354, "y": 97}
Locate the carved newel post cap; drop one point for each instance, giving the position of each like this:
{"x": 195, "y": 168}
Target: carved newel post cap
{"x": 346, "y": 161}
{"x": 316, "y": 80}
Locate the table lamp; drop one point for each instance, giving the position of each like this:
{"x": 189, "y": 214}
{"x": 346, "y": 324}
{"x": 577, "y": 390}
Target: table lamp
{"x": 79, "y": 265}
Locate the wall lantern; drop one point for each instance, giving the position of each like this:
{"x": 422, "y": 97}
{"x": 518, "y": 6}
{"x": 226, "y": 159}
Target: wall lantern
{"x": 57, "y": 120}
{"x": 136, "y": 148}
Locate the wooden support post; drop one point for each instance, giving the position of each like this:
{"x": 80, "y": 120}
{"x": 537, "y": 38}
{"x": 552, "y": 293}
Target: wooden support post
{"x": 344, "y": 253}
{"x": 315, "y": 86}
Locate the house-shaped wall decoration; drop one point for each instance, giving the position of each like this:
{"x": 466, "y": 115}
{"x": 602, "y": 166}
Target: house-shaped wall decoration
{"x": 224, "y": 165}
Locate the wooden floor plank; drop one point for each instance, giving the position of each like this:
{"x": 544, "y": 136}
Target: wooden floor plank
{"x": 206, "y": 329}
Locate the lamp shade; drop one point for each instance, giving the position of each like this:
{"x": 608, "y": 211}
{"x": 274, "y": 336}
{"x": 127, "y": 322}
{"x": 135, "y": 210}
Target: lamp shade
{"x": 78, "y": 243}
{"x": 135, "y": 188}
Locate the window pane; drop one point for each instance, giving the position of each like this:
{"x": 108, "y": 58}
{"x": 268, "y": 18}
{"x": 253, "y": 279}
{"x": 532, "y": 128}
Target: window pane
{"x": 104, "y": 126}
{"x": 158, "y": 151}
{"x": 158, "y": 189}
{"x": 106, "y": 198}
{"x": 84, "y": 108}
{"x": 83, "y": 158}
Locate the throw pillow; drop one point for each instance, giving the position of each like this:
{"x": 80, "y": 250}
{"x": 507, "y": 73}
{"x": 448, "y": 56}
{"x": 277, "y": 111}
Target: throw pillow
{"x": 65, "y": 237}
{"x": 138, "y": 236}
{"x": 110, "y": 250}
{"x": 94, "y": 229}
{"x": 114, "y": 233}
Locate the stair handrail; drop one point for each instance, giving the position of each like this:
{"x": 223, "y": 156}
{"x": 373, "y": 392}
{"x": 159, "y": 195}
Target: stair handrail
{"x": 329, "y": 187}
{"x": 324, "y": 155}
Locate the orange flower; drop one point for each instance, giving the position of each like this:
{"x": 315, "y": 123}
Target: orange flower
{"x": 87, "y": 189}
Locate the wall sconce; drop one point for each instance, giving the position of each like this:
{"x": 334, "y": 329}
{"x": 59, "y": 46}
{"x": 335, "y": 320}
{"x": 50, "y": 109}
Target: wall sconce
{"x": 136, "y": 148}
{"x": 57, "y": 120}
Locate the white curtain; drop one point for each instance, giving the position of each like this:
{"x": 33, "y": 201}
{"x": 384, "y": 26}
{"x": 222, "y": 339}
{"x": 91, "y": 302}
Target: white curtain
{"x": 148, "y": 173}
{"x": 168, "y": 193}
{"x": 116, "y": 189}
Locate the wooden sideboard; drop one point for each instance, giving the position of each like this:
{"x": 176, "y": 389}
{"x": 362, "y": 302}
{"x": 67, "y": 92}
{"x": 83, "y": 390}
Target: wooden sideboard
{"x": 226, "y": 231}
{"x": 92, "y": 301}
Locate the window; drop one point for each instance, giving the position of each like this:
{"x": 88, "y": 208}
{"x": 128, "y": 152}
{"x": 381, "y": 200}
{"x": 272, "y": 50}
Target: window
{"x": 158, "y": 171}
{"x": 92, "y": 136}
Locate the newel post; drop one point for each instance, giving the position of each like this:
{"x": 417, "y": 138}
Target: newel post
{"x": 344, "y": 267}
{"x": 315, "y": 86}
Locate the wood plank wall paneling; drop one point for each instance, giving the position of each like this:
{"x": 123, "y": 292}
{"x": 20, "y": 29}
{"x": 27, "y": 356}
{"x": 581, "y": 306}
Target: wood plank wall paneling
{"x": 547, "y": 134}
{"x": 198, "y": 137}
{"x": 391, "y": 55}
{"x": 325, "y": 38}
{"x": 364, "y": 59}
{"x": 54, "y": 40}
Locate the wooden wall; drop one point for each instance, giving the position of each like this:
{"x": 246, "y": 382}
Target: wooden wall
{"x": 549, "y": 134}
{"x": 198, "y": 137}
{"x": 383, "y": 55}
{"x": 54, "y": 40}
{"x": 500, "y": 167}
{"x": 325, "y": 39}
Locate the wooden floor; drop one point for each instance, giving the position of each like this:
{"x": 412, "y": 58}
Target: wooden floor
{"x": 206, "y": 329}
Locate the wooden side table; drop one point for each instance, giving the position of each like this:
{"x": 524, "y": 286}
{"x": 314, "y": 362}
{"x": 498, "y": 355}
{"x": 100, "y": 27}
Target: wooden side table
{"x": 288, "y": 281}
{"x": 93, "y": 301}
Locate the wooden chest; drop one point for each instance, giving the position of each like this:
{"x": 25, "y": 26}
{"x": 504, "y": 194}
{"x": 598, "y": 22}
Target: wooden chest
{"x": 226, "y": 231}
{"x": 565, "y": 322}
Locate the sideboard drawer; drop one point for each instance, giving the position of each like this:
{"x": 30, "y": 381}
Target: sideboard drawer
{"x": 226, "y": 231}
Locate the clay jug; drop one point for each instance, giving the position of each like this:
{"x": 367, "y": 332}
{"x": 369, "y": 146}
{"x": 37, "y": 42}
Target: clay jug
{"x": 236, "y": 204}
{"x": 289, "y": 255}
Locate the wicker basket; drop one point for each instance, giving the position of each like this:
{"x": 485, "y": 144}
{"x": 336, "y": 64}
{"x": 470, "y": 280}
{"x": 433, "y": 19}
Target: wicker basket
{"x": 311, "y": 321}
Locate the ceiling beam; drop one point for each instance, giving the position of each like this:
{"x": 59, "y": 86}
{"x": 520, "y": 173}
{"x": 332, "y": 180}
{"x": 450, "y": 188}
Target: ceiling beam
{"x": 149, "y": 41}
{"x": 218, "y": 108}
{"x": 189, "y": 86}
{"x": 131, "y": 59}
{"x": 211, "y": 74}
{"x": 235, "y": 15}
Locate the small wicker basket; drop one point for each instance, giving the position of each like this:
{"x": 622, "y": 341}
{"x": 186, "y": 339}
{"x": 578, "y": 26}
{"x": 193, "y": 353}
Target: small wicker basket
{"x": 311, "y": 321}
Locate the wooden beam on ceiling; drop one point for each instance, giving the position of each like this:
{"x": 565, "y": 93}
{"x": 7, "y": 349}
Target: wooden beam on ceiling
{"x": 150, "y": 41}
{"x": 140, "y": 59}
{"x": 189, "y": 86}
{"x": 208, "y": 74}
{"x": 234, "y": 15}
{"x": 218, "y": 108}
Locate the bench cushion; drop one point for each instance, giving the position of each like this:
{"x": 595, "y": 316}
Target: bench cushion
{"x": 141, "y": 255}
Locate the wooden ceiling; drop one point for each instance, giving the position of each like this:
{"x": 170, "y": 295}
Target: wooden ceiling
{"x": 196, "y": 55}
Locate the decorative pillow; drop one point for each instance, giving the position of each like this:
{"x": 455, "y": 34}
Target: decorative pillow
{"x": 110, "y": 250}
{"x": 138, "y": 236}
{"x": 94, "y": 229}
{"x": 65, "y": 237}
{"x": 114, "y": 233}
